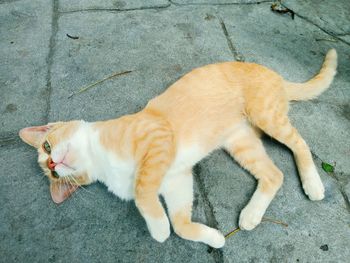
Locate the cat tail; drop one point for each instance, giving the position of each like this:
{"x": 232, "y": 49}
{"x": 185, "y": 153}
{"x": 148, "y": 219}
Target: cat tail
{"x": 318, "y": 84}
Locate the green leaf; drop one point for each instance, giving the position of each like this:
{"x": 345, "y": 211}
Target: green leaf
{"x": 328, "y": 168}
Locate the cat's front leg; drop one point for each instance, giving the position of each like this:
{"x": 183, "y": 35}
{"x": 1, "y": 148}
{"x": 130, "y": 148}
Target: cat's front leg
{"x": 147, "y": 201}
{"x": 177, "y": 190}
{"x": 154, "y": 215}
{"x": 152, "y": 166}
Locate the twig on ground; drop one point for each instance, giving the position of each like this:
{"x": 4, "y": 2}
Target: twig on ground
{"x": 116, "y": 74}
{"x": 274, "y": 221}
{"x": 72, "y": 37}
{"x": 265, "y": 219}
{"x": 231, "y": 233}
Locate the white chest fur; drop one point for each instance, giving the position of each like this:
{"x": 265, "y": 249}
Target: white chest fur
{"x": 119, "y": 177}
{"x": 117, "y": 174}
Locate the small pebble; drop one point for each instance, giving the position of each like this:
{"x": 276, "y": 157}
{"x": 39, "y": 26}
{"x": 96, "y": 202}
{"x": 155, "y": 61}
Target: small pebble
{"x": 324, "y": 247}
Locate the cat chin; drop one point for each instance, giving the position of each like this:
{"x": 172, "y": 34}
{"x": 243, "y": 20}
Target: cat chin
{"x": 64, "y": 171}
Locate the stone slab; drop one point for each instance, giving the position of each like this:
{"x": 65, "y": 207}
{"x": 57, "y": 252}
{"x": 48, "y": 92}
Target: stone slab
{"x": 25, "y": 29}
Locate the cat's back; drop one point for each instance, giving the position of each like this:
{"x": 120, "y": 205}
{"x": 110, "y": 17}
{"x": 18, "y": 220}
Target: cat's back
{"x": 213, "y": 82}
{"x": 199, "y": 104}
{"x": 208, "y": 103}
{"x": 213, "y": 85}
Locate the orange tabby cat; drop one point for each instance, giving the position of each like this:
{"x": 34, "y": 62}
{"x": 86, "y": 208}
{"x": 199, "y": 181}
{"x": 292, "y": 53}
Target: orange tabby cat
{"x": 152, "y": 152}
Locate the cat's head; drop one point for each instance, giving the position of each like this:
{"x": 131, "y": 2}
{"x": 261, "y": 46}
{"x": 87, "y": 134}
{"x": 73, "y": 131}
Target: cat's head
{"x": 62, "y": 150}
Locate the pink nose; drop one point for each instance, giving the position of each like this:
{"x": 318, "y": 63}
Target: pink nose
{"x": 51, "y": 164}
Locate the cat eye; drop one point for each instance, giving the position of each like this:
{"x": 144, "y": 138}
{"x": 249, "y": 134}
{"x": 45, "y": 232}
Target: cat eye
{"x": 47, "y": 147}
{"x": 54, "y": 174}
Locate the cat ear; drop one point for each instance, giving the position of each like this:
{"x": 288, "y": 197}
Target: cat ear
{"x": 34, "y": 135}
{"x": 60, "y": 191}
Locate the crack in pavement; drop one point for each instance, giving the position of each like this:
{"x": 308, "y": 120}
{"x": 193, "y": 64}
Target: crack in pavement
{"x": 9, "y": 138}
{"x": 116, "y": 9}
{"x": 219, "y": 4}
{"x": 236, "y": 55}
{"x": 343, "y": 34}
{"x": 318, "y": 26}
{"x": 209, "y": 212}
{"x": 158, "y": 7}
{"x": 340, "y": 182}
{"x": 49, "y": 58}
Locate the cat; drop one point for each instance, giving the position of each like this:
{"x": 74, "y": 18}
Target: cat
{"x": 139, "y": 156}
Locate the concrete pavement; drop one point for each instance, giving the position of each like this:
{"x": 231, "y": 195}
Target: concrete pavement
{"x": 160, "y": 41}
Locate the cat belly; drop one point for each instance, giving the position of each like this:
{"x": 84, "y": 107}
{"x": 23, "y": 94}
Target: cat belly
{"x": 186, "y": 157}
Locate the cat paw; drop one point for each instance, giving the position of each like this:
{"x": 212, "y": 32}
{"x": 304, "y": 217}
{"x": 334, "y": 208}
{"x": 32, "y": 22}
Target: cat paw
{"x": 159, "y": 228}
{"x": 314, "y": 189}
{"x": 249, "y": 218}
{"x": 214, "y": 238}
{"x": 313, "y": 186}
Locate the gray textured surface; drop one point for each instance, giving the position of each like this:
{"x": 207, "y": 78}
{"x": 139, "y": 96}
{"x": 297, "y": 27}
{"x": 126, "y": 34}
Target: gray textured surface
{"x": 160, "y": 41}
{"x": 24, "y": 46}
{"x": 332, "y": 16}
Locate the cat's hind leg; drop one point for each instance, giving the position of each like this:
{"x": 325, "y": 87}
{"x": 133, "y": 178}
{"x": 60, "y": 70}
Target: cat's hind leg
{"x": 246, "y": 147}
{"x": 275, "y": 122}
{"x": 177, "y": 190}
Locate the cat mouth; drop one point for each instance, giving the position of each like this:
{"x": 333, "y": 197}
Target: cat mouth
{"x": 61, "y": 164}
{"x": 53, "y": 166}
{"x": 54, "y": 174}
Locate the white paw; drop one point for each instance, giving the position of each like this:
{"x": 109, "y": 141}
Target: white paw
{"x": 314, "y": 189}
{"x": 249, "y": 218}
{"x": 159, "y": 228}
{"x": 213, "y": 238}
{"x": 313, "y": 186}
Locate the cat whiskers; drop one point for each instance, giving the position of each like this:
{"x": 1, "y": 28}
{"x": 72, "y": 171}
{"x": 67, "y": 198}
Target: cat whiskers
{"x": 69, "y": 180}
{"x": 75, "y": 181}
{"x": 41, "y": 173}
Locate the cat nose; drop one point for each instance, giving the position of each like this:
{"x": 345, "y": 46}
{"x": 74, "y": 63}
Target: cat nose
{"x": 51, "y": 164}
